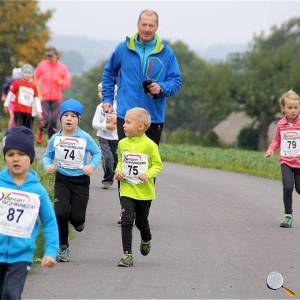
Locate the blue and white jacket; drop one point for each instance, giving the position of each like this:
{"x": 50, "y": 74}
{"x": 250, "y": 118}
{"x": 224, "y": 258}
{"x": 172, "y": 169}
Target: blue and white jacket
{"x": 15, "y": 249}
{"x": 91, "y": 148}
{"x": 126, "y": 66}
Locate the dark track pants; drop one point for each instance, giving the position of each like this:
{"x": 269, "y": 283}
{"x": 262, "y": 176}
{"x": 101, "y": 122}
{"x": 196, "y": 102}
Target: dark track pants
{"x": 71, "y": 195}
{"x": 138, "y": 211}
{"x": 12, "y": 280}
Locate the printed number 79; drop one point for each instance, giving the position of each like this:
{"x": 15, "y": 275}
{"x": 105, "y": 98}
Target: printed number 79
{"x": 292, "y": 144}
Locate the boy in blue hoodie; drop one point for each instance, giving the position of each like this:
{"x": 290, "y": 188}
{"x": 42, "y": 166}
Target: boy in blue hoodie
{"x": 22, "y": 201}
{"x": 67, "y": 153}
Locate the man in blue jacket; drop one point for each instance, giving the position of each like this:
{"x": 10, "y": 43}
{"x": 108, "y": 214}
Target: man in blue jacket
{"x": 146, "y": 71}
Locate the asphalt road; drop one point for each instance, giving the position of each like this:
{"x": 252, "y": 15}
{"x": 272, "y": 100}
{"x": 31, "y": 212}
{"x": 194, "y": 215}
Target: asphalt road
{"x": 215, "y": 235}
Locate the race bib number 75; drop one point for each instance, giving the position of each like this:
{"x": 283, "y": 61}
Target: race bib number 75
{"x": 134, "y": 164}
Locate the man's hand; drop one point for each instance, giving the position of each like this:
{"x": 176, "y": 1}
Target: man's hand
{"x": 107, "y": 107}
{"x": 154, "y": 88}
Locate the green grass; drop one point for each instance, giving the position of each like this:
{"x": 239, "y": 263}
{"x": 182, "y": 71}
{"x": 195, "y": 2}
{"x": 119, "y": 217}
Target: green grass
{"x": 242, "y": 161}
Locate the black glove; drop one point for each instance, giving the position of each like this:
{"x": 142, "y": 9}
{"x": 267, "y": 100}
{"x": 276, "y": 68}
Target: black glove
{"x": 146, "y": 83}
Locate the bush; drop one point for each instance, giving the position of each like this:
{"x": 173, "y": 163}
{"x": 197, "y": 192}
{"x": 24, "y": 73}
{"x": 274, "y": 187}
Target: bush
{"x": 248, "y": 138}
{"x": 210, "y": 139}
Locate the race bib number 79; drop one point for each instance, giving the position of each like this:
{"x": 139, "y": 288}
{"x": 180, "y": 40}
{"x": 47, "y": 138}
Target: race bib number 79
{"x": 290, "y": 143}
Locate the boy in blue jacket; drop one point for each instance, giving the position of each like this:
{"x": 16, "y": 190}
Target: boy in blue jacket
{"x": 67, "y": 153}
{"x": 23, "y": 200}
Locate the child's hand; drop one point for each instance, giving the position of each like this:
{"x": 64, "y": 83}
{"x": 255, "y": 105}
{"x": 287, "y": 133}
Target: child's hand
{"x": 269, "y": 153}
{"x": 51, "y": 169}
{"x": 111, "y": 126}
{"x": 39, "y": 115}
{"x": 119, "y": 175}
{"x": 48, "y": 261}
{"x": 143, "y": 177}
{"x": 87, "y": 170}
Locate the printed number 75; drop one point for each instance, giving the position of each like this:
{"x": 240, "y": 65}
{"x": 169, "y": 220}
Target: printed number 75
{"x": 133, "y": 169}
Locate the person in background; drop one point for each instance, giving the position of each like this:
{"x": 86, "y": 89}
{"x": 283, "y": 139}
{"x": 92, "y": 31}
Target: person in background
{"x": 16, "y": 74}
{"x": 287, "y": 138}
{"x": 52, "y": 77}
{"x": 74, "y": 154}
{"x": 147, "y": 72}
{"x": 24, "y": 200}
{"x": 23, "y": 93}
{"x": 105, "y": 124}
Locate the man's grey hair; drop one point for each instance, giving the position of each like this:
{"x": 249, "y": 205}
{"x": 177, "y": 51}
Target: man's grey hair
{"x": 149, "y": 12}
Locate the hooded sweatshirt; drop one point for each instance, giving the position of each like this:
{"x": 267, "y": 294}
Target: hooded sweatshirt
{"x": 21, "y": 249}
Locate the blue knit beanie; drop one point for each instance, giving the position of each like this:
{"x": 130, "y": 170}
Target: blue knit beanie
{"x": 72, "y": 105}
{"x": 20, "y": 138}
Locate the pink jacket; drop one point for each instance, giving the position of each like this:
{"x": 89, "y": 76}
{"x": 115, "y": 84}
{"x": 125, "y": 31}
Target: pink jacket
{"x": 47, "y": 75}
{"x": 285, "y": 129}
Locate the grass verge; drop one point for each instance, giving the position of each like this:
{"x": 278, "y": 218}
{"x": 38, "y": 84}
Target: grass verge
{"x": 241, "y": 161}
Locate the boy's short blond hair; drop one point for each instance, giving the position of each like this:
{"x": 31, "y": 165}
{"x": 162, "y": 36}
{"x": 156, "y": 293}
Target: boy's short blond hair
{"x": 142, "y": 115}
{"x": 288, "y": 95}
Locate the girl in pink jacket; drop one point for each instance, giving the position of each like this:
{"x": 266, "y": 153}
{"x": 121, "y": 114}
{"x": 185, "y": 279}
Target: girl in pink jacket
{"x": 52, "y": 77}
{"x": 287, "y": 138}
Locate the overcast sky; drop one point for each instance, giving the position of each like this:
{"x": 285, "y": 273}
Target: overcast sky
{"x": 194, "y": 22}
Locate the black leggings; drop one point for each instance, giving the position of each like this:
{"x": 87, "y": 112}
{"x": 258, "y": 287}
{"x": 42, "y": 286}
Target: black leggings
{"x": 71, "y": 198}
{"x": 51, "y": 112}
{"x": 12, "y": 280}
{"x": 290, "y": 177}
{"x": 23, "y": 119}
{"x": 137, "y": 210}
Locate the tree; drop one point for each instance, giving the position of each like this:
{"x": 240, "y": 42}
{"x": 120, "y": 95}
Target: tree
{"x": 184, "y": 108}
{"x": 268, "y": 70}
{"x": 23, "y": 34}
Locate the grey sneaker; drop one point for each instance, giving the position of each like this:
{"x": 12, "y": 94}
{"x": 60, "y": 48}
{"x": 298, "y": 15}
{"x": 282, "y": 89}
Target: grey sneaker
{"x": 63, "y": 254}
{"x": 106, "y": 185}
{"x": 145, "y": 247}
{"x": 287, "y": 221}
{"x": 126, "y": 260}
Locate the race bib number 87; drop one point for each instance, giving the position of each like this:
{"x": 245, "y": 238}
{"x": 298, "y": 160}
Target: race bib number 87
{"x": 18, "y": 212}
{"x": 290, "y": 143}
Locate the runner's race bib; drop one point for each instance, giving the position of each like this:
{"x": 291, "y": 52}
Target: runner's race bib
{"x": 134, "y": 164}
{"x": 290, "y": 143}
{"x": 26, "y": 96}
{"x": 18, "y": 212}
{"x": 69, "y": 152}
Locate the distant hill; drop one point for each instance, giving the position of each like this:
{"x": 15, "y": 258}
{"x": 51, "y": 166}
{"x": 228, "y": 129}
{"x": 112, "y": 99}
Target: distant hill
{"x": 81, "y": 53}
{"x": 218, "y": 51}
